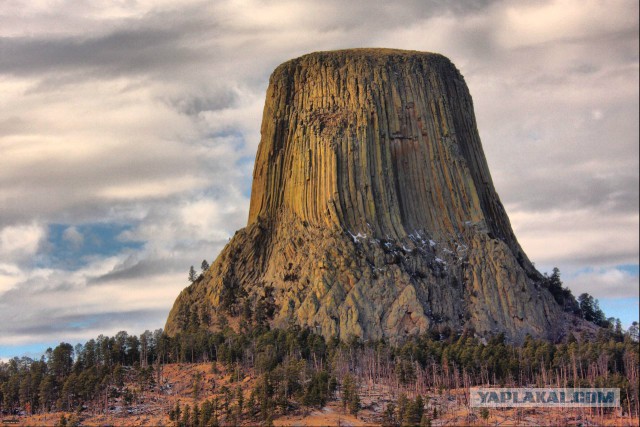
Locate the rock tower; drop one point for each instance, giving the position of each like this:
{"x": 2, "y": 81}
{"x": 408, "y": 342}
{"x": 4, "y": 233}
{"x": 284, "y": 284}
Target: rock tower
{"x": 373, "y": 212}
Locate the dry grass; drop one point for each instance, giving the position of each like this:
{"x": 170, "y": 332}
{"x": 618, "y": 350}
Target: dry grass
{"x": 151, "y": 409}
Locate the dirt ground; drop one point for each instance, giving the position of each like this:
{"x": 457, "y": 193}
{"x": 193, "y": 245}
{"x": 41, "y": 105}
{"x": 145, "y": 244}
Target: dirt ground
{"x": 151, "y": 408}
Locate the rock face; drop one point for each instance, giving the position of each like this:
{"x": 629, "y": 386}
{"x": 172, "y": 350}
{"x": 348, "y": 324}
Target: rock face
{"x": 373, "y": 212}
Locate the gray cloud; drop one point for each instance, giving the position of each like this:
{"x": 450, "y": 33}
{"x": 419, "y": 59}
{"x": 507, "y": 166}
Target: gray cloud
{"x": 149, "y": 115}
{"x": 157, "y": 44}
{"x": 75, "y": 327}
{"x": 552, "y": 188}
{"x": 133, "y": 267}
{"x": 192, "y": 105}
{"x": 142, "y": 268}
{"x": 608, "y": 283}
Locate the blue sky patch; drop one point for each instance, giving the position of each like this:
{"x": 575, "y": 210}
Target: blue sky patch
{"x": 626, "y": 309}
{"x": 72, "y": 246}
{"x": 632, "y": 269}
{"x": 34, "y": 351}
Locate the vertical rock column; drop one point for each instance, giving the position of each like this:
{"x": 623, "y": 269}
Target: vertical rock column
{"x": 373, "y": 212}
{"x": 378, "y": 142}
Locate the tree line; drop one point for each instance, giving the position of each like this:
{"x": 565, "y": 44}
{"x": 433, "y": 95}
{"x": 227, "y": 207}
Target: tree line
{"x": 296, "y": 368}
{"x": 585, "y": 306}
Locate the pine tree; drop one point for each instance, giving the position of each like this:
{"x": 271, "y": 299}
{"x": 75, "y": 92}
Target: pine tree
{"x": 195, "y": 416}
{"x": 186, "y": 416}
{"x": 354, "y": 403}
{"x": 350, "y": 397}
{"x": 192, "y": 275}
{"x": 402, "y": 403}
{"x": 74, "y": 421}
{"x": 251, "y": 404}
{"x": 590, "y": 309}
{"x": 206, "y": 411}
{"x": 333, "y": 385}
{"x": 413, "y": 411}
{"x": 389, "y": 416}
{"x": 240, "y": 400}
{"x": 347, "y": 385}
{"x": 196, "y": 385}
{"x": 633, "y": 331}
{"x": 317, "y": 390}
{"x": 264, "y": 393}
{"x": 62, "y": 422}
{"x": 47, "y": 392}
{"x": 175, "y": 413}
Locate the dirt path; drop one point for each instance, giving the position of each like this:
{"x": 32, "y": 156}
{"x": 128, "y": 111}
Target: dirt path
{"x": 328, "y": 416}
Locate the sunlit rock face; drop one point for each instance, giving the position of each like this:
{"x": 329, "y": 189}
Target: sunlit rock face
{"x": 373, "y": 212}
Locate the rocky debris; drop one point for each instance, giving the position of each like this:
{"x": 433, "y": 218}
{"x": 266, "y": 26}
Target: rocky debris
{"x": 373, "y": 213}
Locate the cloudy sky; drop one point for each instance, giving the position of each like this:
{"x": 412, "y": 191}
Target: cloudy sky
{"x": 128, "y": 131}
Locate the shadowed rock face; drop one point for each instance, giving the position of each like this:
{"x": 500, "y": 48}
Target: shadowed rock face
{"x": 373, "y": 212}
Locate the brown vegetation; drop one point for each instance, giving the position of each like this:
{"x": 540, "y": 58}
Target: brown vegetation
{"x": 293, "y": 376}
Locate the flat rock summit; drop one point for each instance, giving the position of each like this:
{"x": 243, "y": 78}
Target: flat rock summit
{"x": 373, "y": 213}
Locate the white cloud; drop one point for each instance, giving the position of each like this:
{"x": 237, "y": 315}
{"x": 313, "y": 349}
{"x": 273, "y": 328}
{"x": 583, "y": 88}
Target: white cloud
{"x": 605, "y": 283}
{"x": 73, "y": 236}
{"x": 152, "y": 189}
{"x": 207, "y": 215}
{"x": 10, "y": 275}
{"x": 148, "y": 113}
{"x": 20, "y": 241}
{"x": 63, "y": 303}
{"x": 574, "y": 238}
{"x": 562, "y": 20}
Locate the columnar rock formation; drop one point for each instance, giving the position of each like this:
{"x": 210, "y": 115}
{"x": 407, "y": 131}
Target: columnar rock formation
{"x": 373, "y": 212}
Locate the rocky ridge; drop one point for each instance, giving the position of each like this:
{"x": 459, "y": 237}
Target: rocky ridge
{"x": 373, "y": 213}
